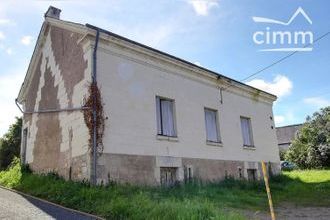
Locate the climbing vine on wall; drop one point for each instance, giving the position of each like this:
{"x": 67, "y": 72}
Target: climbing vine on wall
{"x": 94, "y": 99}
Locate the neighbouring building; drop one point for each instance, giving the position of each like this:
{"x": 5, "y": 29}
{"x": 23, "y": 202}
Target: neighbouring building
{"x": 101, "y": 107}
{"x": 286, "y": 134}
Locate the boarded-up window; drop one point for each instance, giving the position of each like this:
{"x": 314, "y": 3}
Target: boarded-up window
{"x": 168, "y": 176}
{"x": 188, "y": 173}
{"x": 252, "y": 174}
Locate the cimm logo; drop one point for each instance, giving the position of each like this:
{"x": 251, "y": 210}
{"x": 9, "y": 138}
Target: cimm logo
{"x": 283, "y": 40}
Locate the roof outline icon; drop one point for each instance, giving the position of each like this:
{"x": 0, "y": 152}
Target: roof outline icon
{"x": 273, "y": 21}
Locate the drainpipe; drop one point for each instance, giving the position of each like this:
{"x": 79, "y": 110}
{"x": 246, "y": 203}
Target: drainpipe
{"x": 220, "y": 90}
{"x": 94, "y": 83}
{"x": 50, "y": 110}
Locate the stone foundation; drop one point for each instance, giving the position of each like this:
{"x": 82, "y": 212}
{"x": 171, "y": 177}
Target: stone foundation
{"x": 75, "y": 169}
{"x": 145, "y": 170}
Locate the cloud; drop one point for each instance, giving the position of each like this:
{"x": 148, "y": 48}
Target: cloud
{"x": 2, "y": 36}
{"x": 9, "y": 51}
{"x": 26, "y": 40}
{"x": 10, "y": 83}
{"x": 318, "y": 102}
{"x": 280, "y": 86}
{"x": 5, "y": 21}
{"x": 279, "y": 119}
{"x": 202, "y": 7}
{"x": 289, "y": 116}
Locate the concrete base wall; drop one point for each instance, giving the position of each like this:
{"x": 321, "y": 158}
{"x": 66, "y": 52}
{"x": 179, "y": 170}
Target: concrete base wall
{"x": 75, "y": 168}
{"x": 126, "y": 169}
{"x": 145, "y": 170}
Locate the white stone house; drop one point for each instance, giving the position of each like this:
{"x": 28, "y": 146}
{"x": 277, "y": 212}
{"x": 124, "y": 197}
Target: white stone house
{"x": 164, "y": 119}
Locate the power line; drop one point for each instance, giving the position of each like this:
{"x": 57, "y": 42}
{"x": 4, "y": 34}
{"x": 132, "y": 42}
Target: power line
{"x": 283, "y": 58}
{"x": 278, "y": 61}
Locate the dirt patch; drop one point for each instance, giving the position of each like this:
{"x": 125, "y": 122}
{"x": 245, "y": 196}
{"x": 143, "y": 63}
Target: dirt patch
{"x": 293, "y": 213}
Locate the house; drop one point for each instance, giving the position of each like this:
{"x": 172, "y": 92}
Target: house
{"x": 101, "y": 107}
{"x": 286, "y": 134}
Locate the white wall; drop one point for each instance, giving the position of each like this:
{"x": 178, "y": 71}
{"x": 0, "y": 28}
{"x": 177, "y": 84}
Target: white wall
{"x": 129, "y": 84}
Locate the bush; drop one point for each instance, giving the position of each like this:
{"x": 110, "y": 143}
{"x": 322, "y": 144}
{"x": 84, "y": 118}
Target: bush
{"x": 10, "y": 144}
{"x": 11, "y": 177}
{"x": 311, "y": 147}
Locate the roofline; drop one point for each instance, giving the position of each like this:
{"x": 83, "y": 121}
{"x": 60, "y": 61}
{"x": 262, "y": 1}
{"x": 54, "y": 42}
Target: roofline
{"x": 218, "y": 75}
{"x": 48, "y": 21}
{"x": 30, "y": 63}
{"x": 293, "y": 125}
{"x": 215, "y": 74}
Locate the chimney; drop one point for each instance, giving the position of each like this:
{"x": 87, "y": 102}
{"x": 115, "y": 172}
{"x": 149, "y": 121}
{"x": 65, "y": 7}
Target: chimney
{"x": 53, "y": 12}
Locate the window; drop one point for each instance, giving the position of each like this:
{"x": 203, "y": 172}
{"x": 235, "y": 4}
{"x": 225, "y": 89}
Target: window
{"x": 212, "y": 130}
{"x": 246, "y": 132}
{"x": 168, "y": 176}
{"x": 165, "y": 117}
{"x": 188, "y": 173}
{"x": 240, "y": 174}
{"x": 252, "y": 174}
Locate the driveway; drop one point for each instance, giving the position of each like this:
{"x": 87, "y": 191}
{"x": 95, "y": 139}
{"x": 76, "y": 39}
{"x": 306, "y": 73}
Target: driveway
{"x": 16, "y": 206}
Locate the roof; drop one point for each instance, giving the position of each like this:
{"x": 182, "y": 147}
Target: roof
{"x": 124, "y": 39}
{"x": 286, "y": 134}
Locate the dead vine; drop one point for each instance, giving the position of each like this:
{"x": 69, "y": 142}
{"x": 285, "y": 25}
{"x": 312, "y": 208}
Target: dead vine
{"x": 93, "y": 91}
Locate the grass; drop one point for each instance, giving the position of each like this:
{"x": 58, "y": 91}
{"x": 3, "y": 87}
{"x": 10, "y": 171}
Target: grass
{"x": 191, "y": 201}
{"x": 302, "y": 187}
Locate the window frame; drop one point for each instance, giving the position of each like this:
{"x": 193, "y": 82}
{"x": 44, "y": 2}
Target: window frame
{"x": 250, "y": 132}
{"x": 159, "y": 106}
{"x": 217, "y": 125}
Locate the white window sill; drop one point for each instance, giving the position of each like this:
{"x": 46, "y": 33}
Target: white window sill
{"x": 249, "y": 147}
{"x": 218, "y": 144}
{"x": 167, "y": 138}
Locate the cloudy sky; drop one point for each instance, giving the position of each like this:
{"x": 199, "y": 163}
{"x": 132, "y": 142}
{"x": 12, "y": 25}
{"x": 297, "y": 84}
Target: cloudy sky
{"x": 216, "y": 34}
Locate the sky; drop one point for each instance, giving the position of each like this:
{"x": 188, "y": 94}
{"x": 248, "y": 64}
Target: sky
{"x": 216, "y": 34}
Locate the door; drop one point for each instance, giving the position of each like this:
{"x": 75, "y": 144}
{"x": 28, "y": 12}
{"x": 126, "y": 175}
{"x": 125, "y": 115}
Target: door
{"x": 168, "y": 176}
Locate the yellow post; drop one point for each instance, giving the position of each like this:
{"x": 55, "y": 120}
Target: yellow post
{"x": 264, "y": 171}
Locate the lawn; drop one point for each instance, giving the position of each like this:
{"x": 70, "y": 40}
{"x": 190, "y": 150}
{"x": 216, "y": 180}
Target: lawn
{"x": 190, "y": 201}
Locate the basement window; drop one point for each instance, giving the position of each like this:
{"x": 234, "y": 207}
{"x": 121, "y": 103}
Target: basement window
{"x": 252, "y": 174}
{"x": 188, "y": 173}
{"x": 168, "y": 176}
{"x": 240, "y": 173}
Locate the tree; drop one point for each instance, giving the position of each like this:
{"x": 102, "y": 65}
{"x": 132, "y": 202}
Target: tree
{"x": 311, "y": 147}
{"x": 10, "y": 144}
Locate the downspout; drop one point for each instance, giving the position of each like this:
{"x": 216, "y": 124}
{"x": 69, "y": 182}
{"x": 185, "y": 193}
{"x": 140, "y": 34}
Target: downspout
{"x": 220, "y": 90}
{"x": 94, "y": 83}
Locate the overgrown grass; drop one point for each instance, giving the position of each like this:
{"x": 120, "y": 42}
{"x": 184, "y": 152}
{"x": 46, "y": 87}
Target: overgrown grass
{"x": 191, "y": 201}
{"x": 302, "y": 187}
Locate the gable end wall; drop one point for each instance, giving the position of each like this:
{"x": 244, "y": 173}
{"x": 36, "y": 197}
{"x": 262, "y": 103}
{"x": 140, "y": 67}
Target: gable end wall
{"x": 58, "y": 141}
